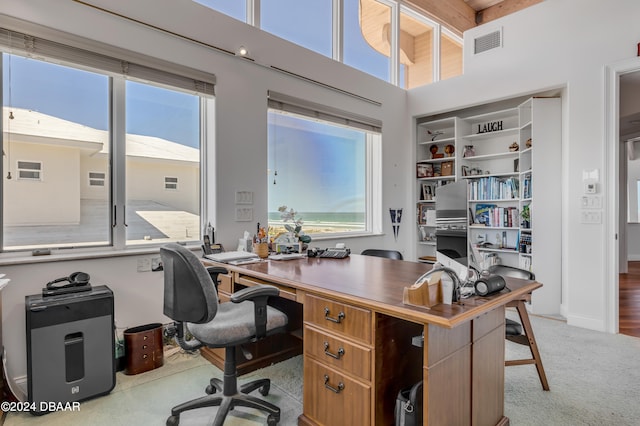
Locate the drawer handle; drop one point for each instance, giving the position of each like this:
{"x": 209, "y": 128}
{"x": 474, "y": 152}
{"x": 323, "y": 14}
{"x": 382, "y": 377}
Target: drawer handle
{"x": 331, "y": 388}
{"x": 336, "y": 356}
{"x": 336, "y": 320}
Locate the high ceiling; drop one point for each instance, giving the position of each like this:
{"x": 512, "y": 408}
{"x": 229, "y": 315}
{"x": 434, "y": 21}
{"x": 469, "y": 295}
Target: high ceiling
{"x": 461, "y": 15}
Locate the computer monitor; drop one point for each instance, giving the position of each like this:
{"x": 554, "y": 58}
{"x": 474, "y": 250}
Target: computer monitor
{"x": 451, "y": 227}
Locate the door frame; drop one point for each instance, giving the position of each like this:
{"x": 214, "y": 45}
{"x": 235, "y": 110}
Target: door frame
{"x": 612, "y": 225}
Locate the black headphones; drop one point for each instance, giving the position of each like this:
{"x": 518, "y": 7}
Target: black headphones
{"x": 75, "y": 279}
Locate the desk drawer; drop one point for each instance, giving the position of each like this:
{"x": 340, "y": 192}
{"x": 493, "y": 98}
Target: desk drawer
{"x": 340, "y": 317}
{"x": 285, "y": 292}
{"x": 332, "y": 399}
{"x": 337, "y": 352}
{"x": 226, "y": 283}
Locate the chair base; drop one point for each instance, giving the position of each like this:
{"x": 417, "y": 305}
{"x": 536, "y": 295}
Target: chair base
{"x": 230, "y": 397}
{"x": 226, "y": 403}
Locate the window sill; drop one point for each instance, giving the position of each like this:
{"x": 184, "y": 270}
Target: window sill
{"x": 62, "y": 255}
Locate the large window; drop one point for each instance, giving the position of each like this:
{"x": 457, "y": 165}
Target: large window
{"x": 327, "y": 172}
{"x": 87, "y": 152}
{"x": 307, "y": 23}
{"x": 367, "y": 32}
{"x": 384, "y": 38}
{"x": 235, "y": 8}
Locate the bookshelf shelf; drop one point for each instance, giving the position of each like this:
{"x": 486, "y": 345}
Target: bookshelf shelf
{"x": 492, "y": 157}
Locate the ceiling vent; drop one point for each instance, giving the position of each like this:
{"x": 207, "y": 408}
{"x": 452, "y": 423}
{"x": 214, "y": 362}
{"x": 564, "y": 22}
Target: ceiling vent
{"x": 487, "y": 42}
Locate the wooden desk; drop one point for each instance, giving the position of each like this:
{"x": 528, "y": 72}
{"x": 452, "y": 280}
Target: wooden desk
{"x": 357, "y": 341}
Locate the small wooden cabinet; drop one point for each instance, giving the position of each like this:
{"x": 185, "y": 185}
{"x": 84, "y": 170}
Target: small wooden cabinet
{"x": 338, "y": 349}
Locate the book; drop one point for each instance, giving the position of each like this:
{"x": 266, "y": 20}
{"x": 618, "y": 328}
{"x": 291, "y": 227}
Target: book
{"x": 484, "y": 214}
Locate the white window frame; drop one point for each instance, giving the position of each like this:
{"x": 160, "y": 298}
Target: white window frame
{"x": 22, "y": 169}
{"x": 84, "y": 54}
{"x": 284, "y": 104}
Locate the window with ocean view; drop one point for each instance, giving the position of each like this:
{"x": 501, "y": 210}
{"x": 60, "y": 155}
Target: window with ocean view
{"x": 323, "y": 171}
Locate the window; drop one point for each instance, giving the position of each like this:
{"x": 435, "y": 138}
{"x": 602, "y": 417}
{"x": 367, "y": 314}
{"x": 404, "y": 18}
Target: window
{"x": 326, "y": 171}
{"x": 416, "y": 51}
{"x": 236, "y": 8}
{"x": 359, "y": 33}
{"x": 96, "y": 179}
{"x": 171, "y": 183}
{"x": 29, "y": 170}
{"x": 367, "y": 32}
{"x": 306, "y": 23}
{"x": 60, "y": 113}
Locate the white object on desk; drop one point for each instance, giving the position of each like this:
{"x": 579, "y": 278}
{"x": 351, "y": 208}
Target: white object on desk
{"x": 288, "y": 256}
{"x": 228, "y": 256}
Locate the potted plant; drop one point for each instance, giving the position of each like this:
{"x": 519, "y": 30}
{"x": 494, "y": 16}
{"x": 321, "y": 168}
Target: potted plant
{"x": 525, "y": 215}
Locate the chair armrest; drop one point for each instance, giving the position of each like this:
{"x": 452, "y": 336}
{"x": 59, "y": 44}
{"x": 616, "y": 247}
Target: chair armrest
{"x": 214, "y": 271}
{"x": 259, "y": 295}
{"x": 253, "y": 292}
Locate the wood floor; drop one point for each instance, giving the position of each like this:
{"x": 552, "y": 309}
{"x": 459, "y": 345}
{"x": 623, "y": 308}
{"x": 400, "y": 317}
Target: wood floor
{"x": 629, "y": 300}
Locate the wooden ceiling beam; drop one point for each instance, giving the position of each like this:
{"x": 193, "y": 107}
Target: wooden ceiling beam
{"x": 503, "y": 8}
{"x": 456, "y": 15}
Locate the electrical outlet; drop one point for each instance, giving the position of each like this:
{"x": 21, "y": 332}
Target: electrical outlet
{"x": 144, "y": 265}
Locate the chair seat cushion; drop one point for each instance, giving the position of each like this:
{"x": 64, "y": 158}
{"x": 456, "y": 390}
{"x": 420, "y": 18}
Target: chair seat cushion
{"x": 235, "y": 323}
{"x": 512, "y": 328}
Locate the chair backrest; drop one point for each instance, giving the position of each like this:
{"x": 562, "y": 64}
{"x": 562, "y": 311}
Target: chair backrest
{"x": 510, "y": 271}
{"x": 389, "y": 254}
{"x": 189, "y": 292}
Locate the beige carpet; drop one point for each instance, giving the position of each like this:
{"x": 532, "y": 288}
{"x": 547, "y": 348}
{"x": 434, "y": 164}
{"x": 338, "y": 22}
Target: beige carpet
{"x": 594, "y": 379}
{"x": 147, "y": 398}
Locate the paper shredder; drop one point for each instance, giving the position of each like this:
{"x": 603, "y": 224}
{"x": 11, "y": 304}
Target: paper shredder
{"x": 70, "y": 346}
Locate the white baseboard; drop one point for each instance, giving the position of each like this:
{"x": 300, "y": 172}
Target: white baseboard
{"x": 633, "y": 257}
{"x": 588, "y": 323}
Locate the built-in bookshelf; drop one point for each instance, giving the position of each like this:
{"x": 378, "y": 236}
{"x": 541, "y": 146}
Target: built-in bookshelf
{"x": 510, "y": 159}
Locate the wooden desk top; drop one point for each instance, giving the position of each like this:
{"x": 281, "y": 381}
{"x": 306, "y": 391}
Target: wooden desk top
{"x": 377, "y": 283}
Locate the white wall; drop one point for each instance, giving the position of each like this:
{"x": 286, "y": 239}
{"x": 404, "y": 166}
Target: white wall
{"x": 240, "y": 131}
{"x": 556, "y": 43}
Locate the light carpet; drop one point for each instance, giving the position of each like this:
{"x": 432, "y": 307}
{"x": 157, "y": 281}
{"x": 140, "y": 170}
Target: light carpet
{"x": 594, "y": 379}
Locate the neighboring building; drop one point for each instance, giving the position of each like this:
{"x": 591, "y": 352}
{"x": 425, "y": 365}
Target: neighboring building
{"x": 57, "y": 165}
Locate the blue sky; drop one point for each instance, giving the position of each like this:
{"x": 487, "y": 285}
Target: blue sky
{"x": 83, "y": 97}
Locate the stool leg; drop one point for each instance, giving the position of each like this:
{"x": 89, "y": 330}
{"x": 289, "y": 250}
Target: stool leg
{"x": 528, "y": 330}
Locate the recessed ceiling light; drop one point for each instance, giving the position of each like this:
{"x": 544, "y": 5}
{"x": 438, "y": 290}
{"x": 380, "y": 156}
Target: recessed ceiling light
{"x": 243, "y": 51}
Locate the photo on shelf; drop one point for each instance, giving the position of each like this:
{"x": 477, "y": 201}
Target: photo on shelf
{"x": 424, "y": 170}
{"x": 427, "y": 192}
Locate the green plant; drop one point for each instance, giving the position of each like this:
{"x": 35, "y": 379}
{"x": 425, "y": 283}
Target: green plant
{"x": 290, "y": 215}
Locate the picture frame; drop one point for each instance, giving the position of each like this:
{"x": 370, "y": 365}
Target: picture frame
{"x": 427, "y": 192}
{"x": 422, "y": 214}
{"x": 424, "y": 170}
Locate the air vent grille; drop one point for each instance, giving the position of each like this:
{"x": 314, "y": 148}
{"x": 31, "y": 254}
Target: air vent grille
{"x": 487, "y": 42}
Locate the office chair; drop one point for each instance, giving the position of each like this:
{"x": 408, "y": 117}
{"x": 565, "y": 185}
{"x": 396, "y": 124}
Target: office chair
{"x": 389, "y": 254}
{"x": 191, "y": 300}
{"x": 514, "y": 330}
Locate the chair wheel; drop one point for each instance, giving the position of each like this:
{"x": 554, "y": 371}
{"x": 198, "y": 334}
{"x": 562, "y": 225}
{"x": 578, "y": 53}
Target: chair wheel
{"x": 271, "y": 420}
{"x": 174, "y": 421}
{"x": 210, "y": 390}
{"x": 264, "y": 390}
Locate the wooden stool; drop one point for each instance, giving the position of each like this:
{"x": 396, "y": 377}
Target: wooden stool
{"x": 514, "y": 334}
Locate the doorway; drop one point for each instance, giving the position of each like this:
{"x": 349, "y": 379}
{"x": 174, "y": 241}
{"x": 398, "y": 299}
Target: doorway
{"x": 622, "y": 124}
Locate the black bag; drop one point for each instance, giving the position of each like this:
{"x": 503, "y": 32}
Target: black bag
{"x": 409, "y": 406}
